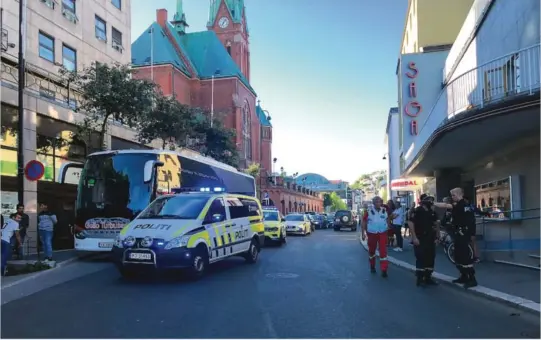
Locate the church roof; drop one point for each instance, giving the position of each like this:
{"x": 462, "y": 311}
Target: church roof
{"x": 203, "y": 50}
{"x": 263, "y": 119}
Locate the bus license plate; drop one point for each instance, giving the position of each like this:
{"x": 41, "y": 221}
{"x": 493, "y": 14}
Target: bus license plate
{"x": 140, "y": 256}
{"x": 105, "y": 244}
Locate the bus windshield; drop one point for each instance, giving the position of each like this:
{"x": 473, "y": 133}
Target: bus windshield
{"x": 112, "y": 186}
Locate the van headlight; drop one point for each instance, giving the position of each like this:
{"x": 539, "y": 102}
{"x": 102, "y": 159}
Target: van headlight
{"x": 177, "y": 242}
{"x": 129, "y": 241}
{"x": 118, "y": 242}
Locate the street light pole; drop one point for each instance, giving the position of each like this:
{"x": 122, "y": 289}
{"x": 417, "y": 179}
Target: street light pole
{"x": 212, "y": 101}
{"x": 20, "y": 116}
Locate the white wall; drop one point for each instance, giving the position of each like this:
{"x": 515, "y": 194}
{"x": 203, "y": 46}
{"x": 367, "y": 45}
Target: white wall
{"x": 428, "y": 88}
{"x": 508, "y": 26}
{"x": 393, "y": 149}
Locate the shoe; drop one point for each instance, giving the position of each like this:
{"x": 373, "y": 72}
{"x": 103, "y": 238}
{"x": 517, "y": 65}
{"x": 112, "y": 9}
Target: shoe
{"x": 472, "y": 282}
{"x": 384, "y": 274}
{"x": 373, "y": 270}
{"x": 461, "y": 279}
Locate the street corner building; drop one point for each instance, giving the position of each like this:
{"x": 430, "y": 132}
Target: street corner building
{"x": 291, "y": 197}
{"x": 211, "y": 70}
{"x": 468, "y": 116}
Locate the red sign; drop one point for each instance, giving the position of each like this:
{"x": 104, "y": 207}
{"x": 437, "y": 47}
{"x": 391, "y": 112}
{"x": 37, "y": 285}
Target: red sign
{"x": 404, "y": 183}
{"x": 413, "y": 108}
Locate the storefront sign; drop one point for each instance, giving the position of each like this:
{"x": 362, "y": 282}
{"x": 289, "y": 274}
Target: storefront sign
{"x": 413, "y": 108}
{"x": 406, "y": 184}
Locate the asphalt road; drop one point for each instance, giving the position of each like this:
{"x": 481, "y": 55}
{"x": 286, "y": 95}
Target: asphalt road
{"x": 317, "y": 286}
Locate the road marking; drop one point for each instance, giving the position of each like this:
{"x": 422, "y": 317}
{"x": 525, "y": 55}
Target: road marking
{"x": 282, "y": 276}
{"x": 270, "y": 327}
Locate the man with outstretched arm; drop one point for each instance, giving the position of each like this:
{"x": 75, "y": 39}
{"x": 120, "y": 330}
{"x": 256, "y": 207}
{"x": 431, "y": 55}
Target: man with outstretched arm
{"x": 374, "y": 227}
{"x": 463, "y": 222}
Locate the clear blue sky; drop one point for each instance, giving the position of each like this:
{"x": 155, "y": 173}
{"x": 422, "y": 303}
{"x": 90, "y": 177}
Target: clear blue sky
{"x": 324, "y": 69}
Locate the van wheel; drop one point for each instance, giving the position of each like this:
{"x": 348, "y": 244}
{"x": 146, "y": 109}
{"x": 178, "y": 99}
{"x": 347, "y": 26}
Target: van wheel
{"x": 199, "y": 264}
{"x": 252, "y": 254}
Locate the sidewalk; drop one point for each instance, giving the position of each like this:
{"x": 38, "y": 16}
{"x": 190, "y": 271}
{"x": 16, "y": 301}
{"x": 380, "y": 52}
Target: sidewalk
{"x": 61, "y": 258}
{"x": 517, "y": 286}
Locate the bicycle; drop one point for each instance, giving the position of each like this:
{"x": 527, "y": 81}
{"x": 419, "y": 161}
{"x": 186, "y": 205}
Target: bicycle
{"x": 448, "y": 243}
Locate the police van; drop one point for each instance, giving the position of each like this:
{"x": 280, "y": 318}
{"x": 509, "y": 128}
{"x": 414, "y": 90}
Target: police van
{"x": 189, "y": 231}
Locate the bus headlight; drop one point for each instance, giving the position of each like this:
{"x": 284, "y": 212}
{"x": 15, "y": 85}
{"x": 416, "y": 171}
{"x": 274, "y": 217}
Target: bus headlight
{"x": 118, "y": 242}
{"x": 178, "y": 242}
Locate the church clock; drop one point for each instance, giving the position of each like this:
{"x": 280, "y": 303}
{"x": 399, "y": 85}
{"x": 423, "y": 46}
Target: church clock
{"x": 223, "y": 22}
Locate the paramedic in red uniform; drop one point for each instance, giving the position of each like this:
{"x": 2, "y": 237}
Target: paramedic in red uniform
{"x": 374, "y": 227}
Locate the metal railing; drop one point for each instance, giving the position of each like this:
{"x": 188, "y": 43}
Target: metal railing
{"x": 509, "y": 76}
{"x": 517, "y": 216}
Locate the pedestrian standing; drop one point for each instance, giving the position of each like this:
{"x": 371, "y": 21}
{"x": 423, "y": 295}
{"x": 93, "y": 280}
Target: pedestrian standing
{"x": 374, "y": 227}
{"x": 23, "y": 227}
{"x": 463, "y": 221}
{"x": 9, "y": 229}
{"x": 423, "y": 226}
{"x": 46, "y": 222}
{"x": 397, "y": 219}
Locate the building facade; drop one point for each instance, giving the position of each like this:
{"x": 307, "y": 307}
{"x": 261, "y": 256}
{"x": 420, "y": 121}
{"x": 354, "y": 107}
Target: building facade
{"x": 481, "y": 131}
{"x": 70, "y": 34}
{"x": 290, "y": 197}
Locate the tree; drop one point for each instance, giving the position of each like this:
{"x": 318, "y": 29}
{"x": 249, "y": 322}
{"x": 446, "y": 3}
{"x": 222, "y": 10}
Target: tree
{"x": 253, "y": 170}
{"x": 217, "y": 141}
{"x": 327, "y": 202}
{"x": 108, "y": 91}
{"x": 337, "y": 203}
{"x": 168, "y": 121}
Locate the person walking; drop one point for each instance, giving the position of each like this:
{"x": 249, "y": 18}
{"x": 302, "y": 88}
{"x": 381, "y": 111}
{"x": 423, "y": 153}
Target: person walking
{"x": 463, "y": 221}
{"x": 374, "y": 227}
{"x": 24, "y": 222}
{"x": 397, "y": 221}
{"x": 46, "y": 222}
{"x": 423, "y": 226}
{"x": 9, "y": 229}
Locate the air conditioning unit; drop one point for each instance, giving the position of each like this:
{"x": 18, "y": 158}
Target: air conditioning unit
{"x": 49, "y": 3}
{"x": 118, "y": 46}
{"x": 70, "y": 15}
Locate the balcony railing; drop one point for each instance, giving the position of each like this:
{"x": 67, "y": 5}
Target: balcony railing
{"x": 512, "y": 75}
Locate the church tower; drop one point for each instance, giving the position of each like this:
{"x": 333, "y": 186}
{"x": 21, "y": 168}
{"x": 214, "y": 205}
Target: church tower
{"x": 179, "y": 20}
{"x": 228, "y": 19}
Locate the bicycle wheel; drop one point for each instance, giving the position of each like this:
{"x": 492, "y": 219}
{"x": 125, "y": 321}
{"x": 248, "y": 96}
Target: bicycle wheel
{"x": 451, "y": 252}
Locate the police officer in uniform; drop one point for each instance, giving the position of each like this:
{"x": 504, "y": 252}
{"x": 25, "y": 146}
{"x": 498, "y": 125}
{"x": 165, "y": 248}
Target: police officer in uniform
{"x": 463, "y": 221}
{"x": 423, "y": 223}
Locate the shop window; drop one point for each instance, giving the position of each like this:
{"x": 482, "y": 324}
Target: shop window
{"x": 8, "y": 162}
{"x": 494, "y": 198}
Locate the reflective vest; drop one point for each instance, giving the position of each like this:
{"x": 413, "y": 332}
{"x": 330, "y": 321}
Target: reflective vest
{"x": 377, "y": 221}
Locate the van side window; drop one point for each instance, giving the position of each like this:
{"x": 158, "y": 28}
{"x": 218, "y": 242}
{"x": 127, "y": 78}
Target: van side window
{"x": 251, "y": 206}
{"x": 236, "y": 208}
{"x": 216, "y": 207}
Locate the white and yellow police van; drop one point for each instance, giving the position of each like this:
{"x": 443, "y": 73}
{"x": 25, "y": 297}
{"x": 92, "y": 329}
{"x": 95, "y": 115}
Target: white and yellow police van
{"x": 275, "y": 227}
{"x": 189, "y": 231}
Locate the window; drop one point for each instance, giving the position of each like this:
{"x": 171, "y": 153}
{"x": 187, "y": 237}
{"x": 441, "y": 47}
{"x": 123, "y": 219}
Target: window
{"x": 101, "y": 28}
{"x": 117, "y": 39}
{"x": 69, "y": 58}
{"x": 72, "y": 103}
{"x": 68, "y": 10}
{"x": 117, "y": 3}
{"x": 48, "y": 3}
{"x": 46, "y": 47}
{"x": 251, "y": 206}
{"x": 46, "y": 93}
{"x": 217, "y": 207}
{"x": 246, "y": 132}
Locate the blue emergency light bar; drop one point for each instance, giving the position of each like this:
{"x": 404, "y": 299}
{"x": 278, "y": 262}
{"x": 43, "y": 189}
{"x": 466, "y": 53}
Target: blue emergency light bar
{"x": 270, "y": 208}
{"x": 202, "y": 189}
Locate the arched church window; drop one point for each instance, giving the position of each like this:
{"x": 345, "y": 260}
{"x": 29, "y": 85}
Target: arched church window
{"x": 246, "y": 131}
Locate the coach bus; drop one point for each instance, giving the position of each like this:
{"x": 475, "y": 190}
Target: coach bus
{"x": 115, "y": 186}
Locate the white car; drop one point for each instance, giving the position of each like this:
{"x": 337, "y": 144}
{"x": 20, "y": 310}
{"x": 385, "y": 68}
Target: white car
{"x": 298, "y": 224}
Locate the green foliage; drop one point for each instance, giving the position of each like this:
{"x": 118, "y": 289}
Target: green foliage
{"x": 337, "y": 203}
{"x": 168, "y": 121}
{"x": 108, "y": 91}
{"x": 327, "y": 202}
{"x": 217, "y": 141}
{"x": 253, "y": 170}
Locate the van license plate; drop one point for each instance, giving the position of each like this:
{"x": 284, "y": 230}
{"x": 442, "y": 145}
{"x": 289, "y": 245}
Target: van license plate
{"x": 105, "y": 244}
{"x": 140, "y": 256}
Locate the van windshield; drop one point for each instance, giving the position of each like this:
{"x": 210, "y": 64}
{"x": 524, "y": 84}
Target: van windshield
{"x": 186, "y": 207}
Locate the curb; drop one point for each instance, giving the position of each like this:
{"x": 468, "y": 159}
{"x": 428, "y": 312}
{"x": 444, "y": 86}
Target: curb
{"x": 40, "y": 273}
{"x": 521, "y": 303}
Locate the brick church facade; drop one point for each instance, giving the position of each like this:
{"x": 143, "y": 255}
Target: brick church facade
{"x": 211, "y": 70}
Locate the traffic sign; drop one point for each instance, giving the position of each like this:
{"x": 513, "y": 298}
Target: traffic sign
{"x": 265, "y": 195}
{"x": 34, "y": 170}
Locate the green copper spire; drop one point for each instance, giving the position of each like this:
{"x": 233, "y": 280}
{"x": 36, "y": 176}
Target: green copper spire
{"x": 179, "y": 20}
{"x": 235, "y": 7}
